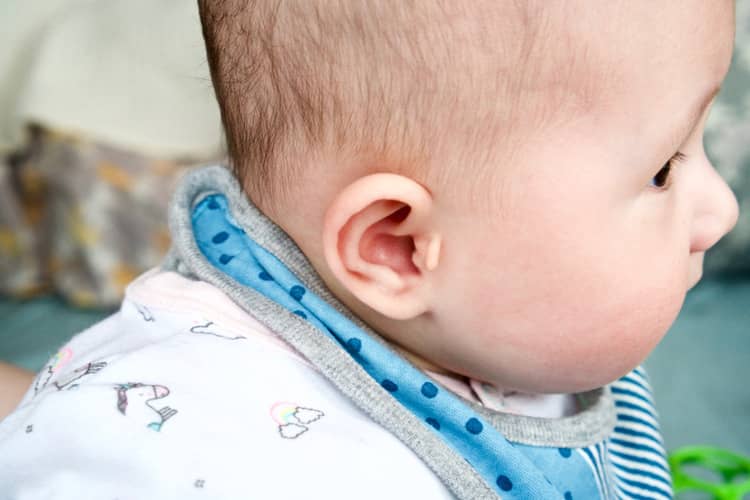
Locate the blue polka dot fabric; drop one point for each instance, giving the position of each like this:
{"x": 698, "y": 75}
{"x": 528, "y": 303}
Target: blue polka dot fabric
{"x": 513, "y": 470}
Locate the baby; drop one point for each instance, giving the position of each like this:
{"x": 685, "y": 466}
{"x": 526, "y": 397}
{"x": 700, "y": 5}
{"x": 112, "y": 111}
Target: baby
{"x": 453, "y": 232}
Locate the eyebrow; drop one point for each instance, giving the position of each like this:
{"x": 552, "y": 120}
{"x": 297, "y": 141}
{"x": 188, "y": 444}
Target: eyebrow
{"x": 695, "y": 115}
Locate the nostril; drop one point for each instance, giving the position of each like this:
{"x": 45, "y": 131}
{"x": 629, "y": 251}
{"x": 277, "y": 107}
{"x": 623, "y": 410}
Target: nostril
{"x": 708, "y": 229}
{"x": 717, "y": 212}
{"x": 706, "y": 232}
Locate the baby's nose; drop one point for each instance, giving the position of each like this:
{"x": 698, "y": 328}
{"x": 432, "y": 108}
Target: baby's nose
{"x": 716, "y": 213}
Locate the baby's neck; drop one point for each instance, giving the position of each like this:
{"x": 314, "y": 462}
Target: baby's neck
{"x": 493, "y": 397}
{"x": 422, "y": 363}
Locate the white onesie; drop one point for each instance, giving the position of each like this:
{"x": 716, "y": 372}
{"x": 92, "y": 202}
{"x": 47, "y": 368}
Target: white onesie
{"x": 182, "y": 394}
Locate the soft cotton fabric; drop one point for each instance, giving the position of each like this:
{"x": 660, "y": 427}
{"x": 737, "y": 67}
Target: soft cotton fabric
{"x": 173, "y": 395}
{"x": 186, "y": 396}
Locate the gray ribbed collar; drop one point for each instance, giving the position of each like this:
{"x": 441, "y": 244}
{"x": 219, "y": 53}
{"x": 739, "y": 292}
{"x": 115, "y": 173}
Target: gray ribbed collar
{"x": 591, "y": 425}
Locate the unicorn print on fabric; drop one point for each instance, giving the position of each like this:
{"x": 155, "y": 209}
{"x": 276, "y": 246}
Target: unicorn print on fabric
{"x": 206, "y": 329}
{"x": 67, "y": 380}
{"x": 293, "y": 419}
{"x": 132, "y": 393}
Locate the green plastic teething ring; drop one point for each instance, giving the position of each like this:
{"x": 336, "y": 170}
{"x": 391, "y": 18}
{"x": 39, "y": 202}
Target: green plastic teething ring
{"x": 727, "y": 464}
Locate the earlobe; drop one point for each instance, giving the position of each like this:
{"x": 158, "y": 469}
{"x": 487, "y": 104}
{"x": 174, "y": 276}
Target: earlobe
{"x": 380, "y": 242}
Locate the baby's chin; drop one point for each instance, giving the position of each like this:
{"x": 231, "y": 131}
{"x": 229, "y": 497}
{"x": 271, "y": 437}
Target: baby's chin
{"x": 569, "y": 377}
{"x": 565, "y": 385}
{"x": 588, "y": 376}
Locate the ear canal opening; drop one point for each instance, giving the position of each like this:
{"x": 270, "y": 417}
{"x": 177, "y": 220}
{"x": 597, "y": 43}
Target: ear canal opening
{"x": 393, "y": 251}
{"x": 379, "y": 246}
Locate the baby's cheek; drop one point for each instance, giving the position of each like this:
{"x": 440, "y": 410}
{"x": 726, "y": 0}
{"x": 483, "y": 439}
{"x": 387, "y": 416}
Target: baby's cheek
{"x": 619, "y": 335}
{"x": 602, "y": 324}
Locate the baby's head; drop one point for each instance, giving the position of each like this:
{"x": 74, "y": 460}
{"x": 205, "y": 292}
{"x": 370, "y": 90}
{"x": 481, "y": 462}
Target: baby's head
{"x": 514, "y": 191}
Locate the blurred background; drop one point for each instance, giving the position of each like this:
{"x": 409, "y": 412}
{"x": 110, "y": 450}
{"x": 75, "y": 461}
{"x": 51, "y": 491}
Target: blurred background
{"x": 105, "y": 103}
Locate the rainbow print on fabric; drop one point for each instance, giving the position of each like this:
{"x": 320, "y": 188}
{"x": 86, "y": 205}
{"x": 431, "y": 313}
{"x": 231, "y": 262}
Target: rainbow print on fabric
{"x": 292, "y": 419}
{"x": 61, "y": 359}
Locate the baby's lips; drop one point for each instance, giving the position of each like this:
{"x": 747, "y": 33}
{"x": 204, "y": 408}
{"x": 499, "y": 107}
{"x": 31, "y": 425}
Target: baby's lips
{"x": 696, "y": 272}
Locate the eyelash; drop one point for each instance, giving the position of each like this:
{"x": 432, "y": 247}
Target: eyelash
{"x": 663, "y": 178}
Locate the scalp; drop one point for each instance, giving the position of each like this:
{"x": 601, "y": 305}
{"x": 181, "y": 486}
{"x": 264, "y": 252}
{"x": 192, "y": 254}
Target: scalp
{"x": 394, "y": 83}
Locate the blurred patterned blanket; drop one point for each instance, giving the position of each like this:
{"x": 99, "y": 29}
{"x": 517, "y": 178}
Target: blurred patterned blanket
{"x": 80, "y": 218}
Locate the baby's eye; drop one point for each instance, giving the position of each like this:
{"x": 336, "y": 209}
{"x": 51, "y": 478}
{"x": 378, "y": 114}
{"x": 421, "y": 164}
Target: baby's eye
{"x": 663, "y": 179}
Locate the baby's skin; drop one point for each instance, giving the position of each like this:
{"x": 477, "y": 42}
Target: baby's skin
{"x": 14, "y": 382}
{"x": 595, "y": 228}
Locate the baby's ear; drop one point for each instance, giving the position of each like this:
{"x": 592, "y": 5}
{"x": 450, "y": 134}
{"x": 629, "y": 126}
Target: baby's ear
{"x": 381, "y": 243}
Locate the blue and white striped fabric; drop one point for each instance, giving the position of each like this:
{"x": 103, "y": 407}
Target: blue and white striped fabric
{"x": 636, "y": 449}
{"x": 631, "y": 463}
